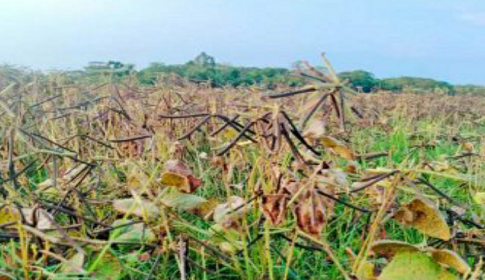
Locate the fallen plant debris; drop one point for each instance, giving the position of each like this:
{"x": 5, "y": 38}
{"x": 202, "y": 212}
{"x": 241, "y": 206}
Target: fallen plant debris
{"x": 180, "y": 180}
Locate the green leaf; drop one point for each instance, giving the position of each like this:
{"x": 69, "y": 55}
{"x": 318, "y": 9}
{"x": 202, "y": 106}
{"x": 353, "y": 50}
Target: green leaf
{"x": 109, "y": 268}
{"x": 182, "y": 201}
{"x": 450, "y": 259}
{"x": 414, "y": 266}
{"x": 131, "y": 206}
{"x": 133, "y": 233}
{"x": 75, "y": 264}
{"x": 228, "y": 239}
{"x": 479, "y": 197}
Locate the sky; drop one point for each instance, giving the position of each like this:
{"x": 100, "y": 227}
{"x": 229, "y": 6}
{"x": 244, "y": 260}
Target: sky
{"x": 442, "y": 39}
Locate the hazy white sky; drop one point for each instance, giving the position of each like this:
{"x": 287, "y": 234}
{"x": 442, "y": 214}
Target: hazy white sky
{"x": 442, "y": 39}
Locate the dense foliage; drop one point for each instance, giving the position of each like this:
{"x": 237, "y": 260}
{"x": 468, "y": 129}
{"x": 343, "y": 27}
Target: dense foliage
{"x": 204, "y": 68}
{"x": 469, "y": 90}
{"x": 367, "y": 82}
{"x": 414, "y": 83}
{"x": 360, "y": 80}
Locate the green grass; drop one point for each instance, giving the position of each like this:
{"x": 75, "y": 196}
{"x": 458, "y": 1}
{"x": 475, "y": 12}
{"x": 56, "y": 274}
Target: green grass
{"x": 341, "y": 231}
{"x": 268, "y": 254}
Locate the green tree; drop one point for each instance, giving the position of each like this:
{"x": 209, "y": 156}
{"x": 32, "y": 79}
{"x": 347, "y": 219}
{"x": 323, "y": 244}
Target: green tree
{"x": 204, "y": 59}
{"x": 204, "y": 68}
{"x": 360, "y": 79}
{"x": 414, "y": 84}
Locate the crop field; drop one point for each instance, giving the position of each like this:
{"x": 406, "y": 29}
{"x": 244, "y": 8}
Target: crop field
{"x": 181, "y": 180}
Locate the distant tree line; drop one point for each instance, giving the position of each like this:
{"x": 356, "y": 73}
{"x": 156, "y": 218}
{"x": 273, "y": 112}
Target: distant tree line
{"x": 366, "y": 82}
{"x": 469, "y": 90}
{"x": 204, "y": 68}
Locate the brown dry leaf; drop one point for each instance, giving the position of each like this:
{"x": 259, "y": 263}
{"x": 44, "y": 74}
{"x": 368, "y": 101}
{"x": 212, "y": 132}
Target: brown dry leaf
{"x": 376, "y": 192}
{"x": 425, "y": 217}
{"x": 450, "y": 259}
{"x": 179, "y": 181}
{"x": 206, "y": 209}
{"x": 179, "y": 175}
{"x": 338, "y": 147}
{"x": 377, "y": 195}
{"x": 405, "y": 216}
{"x": 328, "y": 204}
{"x": 389, "y": 248}
{"x": 194, "y": 183}
{"x": 133, "y": 181}
{"x": 144, "y": 257}
{"x": 468, "y": 146}
{"x": 138, "y": 181}
{"x": 219, "y": 162}
{"x": 310, "y": 215}
{"x": 352, "y": 167}
{"x": 175, "y": 180}
{"x": 187, "y": 184}
{"x": 291, "y": 187}
{"x": 273, "y": 207}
